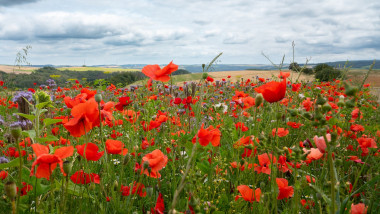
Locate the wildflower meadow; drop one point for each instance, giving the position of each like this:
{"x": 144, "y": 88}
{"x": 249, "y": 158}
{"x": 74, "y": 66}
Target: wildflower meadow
{"x": 277, "y": 145}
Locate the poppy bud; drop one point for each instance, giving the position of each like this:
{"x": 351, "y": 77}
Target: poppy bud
{"x": 16, "y": 132}
{"x": 11, "y": 189}
{"x": 341, "y": 103}
{"x": 115, "y": 185}
{"x": 350, "y": 103}
{"x": 67, "y": 166}
{"x": 318, "y": 115}
{"x": 320, "y": 100}
{"x": 350, "y": 90}
{"x": 98, "y": 98}
{"x": 258, "y": 100}
{"x": 326, "y": 107}
{"x": 204, "y": 75}
{"x": 307, "y": 115}
{"x": 293, "y": 112}
{"x": 334, "y": 136}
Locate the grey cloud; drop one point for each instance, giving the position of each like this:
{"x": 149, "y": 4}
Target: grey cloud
{"x": 16, "y": 2}
{"x": 236, "y": 39}
{"x": 120, "y": 41}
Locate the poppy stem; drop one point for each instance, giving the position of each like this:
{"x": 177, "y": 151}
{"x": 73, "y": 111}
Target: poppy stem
{"x": 182, "y": 183}
{"x": 19, "y": 172}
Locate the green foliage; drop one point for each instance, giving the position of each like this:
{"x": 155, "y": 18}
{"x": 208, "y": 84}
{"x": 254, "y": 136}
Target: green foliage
{"x": 324, "y": 72}
{"x": 294, "y": 67}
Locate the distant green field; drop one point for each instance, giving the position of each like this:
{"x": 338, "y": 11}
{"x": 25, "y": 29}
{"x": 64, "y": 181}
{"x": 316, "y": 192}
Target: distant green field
{"x": 98, "y": 69}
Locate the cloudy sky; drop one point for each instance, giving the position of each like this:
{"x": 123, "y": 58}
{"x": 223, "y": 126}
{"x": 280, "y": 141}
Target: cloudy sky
{"x": 188, "y": 31}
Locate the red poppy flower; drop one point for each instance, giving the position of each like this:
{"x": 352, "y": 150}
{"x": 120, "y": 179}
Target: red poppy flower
{"x": 248, "y": 194}
{"x": 157, "y": 160}
{"x": 281, "y": 132}
{"x": 115, "y": 147}
{"x": 86, "y": 116}
{"x": 313, "y": 154}
{"x": 273, "y": 91}
{"x": 160, "y": 206}
{"x": 241, "y": 126}
{"x": 156, "y": 73}
{"x": 294, "y": 125}
{"x": 123, "y": 101}
{"x": 283, "y": 75}
{"x": 91, "y": 151}
{"x": 285, "y": 190}
{"x": 25, "y": 189}
{"x": 81, "y": 177}
{"x": 3, "y": 175}
{"x": 320, "y": 142}
{"x": 46, "y": 162}
{"x": 211, "y": 134}
{"x": 358, "y": 209}
{"x": 265, "y": 160}
{"x": 356, "y": 128}
{"x": 71, "y": 102}
{"x": 296, "y": 87}
{"x": 209, "y": 79}
{"x": 138, "y": 188}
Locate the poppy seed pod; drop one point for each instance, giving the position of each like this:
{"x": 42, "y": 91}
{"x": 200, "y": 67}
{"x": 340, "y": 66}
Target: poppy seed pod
{"x": 10, "y": 189}
{"x": 98, "y": 98}
{"x": 259, "y": 99}
{"x": 204, "y": 75}
{"x": 67, "y": 166}
{"x": 16, "y": 132}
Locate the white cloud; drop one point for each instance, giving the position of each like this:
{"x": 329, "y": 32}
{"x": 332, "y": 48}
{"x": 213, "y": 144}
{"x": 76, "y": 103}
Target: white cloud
{"x": 152, "y": 31}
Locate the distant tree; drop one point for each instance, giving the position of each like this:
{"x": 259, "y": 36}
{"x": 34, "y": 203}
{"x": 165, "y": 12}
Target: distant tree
{"x": 294, "y": 67}
{"x": 322, "y": 66}
{"x": 324, "y": 72}
{"x": 181, "y": 71}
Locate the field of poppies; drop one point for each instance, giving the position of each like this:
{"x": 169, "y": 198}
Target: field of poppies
{"x": 259, "y": 145}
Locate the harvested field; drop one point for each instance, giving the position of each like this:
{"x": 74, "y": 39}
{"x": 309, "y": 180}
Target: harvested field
{"x": 17, "y": 70}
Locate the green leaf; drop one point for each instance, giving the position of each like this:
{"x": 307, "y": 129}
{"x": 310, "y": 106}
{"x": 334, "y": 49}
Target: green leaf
{"x": 27, "y": 116}
{"x": 49, "y": 121}
{"x": 29, "y": 133}
{"x": 35, "y": 182}
{"x": 47, "y": 139}
{"x": 13, "y": 163}
{"x": 71, "y": 189}
{"x": 44, "y": 105}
